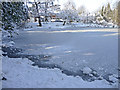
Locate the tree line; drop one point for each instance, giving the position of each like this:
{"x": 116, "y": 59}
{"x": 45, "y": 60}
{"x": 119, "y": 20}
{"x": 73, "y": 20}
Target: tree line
{"x": 15, "y": 14}
{"x": 111, "y": 14}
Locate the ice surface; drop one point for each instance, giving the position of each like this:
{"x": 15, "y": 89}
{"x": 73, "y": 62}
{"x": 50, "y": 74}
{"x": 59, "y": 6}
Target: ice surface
{"x": 72, "y": 48}
{"x": 93, "y": 48}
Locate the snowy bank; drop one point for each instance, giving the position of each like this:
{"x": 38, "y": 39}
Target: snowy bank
{"x": 21, "y": 74}
{"x": 59, "y": 26}
{"x": 0, "y": 58}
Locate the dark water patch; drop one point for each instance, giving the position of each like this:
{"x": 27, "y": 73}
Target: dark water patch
{"x": 106, "y": 77}
{"x": 11, "y": 50}
{"x": 80, "y": 73}
{"x": 38, "y": 57}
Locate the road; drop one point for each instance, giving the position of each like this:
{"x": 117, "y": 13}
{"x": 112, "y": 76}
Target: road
{"x": 74, "y": 49}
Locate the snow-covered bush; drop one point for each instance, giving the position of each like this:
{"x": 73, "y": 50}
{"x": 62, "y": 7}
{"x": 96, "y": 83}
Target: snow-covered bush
{"x": 14, "y": 14}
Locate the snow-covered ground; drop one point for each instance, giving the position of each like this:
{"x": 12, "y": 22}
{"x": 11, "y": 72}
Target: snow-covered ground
{"x": 72, "y": 48}
{"x": 21, "y": 74}
{"x": 48, "y": 25}
{"x": 59, "y": 26}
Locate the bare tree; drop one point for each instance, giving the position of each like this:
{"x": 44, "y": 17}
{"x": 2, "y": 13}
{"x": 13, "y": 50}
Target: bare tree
{"x": 39, "y": 19}
{"x": 69, "y": 12}
{"x": 81, "y": 10}
{"x": 70, "y": 5}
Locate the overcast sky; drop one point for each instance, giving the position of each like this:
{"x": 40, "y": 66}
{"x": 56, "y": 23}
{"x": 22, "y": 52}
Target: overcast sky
{"x": 91, "y": 5}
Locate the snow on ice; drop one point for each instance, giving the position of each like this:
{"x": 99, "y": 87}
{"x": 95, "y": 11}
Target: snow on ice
{"x": 113, "y": 78}
{"x": 20, "y": 73}
{"x": 87, "y": 70}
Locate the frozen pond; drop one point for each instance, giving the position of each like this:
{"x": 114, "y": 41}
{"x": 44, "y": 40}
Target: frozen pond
{"x": 74, "y": 49}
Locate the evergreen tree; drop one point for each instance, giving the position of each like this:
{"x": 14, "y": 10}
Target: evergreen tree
{"x": 118, "y": 14}
{"x": 102, "y": 11}
{"x": 109, "y": 11}
{"x": 14, "y": 14}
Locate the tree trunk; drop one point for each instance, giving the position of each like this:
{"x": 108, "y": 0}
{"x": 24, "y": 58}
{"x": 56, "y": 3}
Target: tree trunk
{"x": 39, "y": 19}
{"x": 46, "y": 20}
{"x": 35, "y": 19}
{"x": 64, "y": 23}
